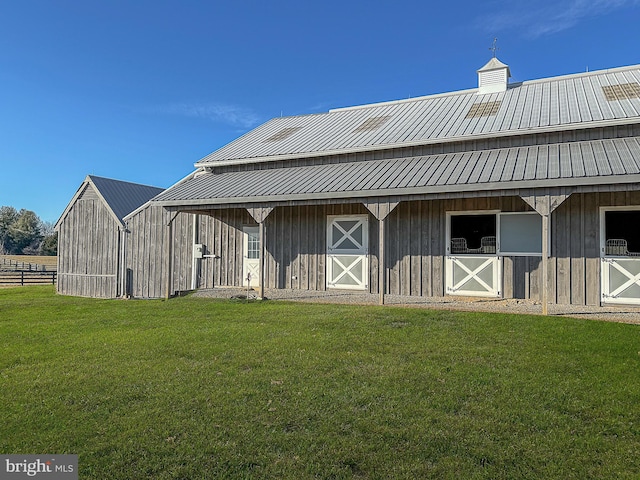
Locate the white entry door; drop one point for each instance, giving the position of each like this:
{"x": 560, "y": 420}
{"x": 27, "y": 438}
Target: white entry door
{"x": 473, "y": 275}
{"x": 251, "y": 257}
{"x": 348, "y": 252}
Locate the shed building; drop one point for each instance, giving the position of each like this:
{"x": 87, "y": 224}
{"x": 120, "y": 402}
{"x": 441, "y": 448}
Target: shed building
{"x": 523, "y": 190}
{"x": 91, "y": 235}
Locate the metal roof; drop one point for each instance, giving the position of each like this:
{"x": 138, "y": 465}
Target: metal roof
{"x": 562, "y": 164}
{"x": 123, "y": 197}
{"x": 568, "y": 102}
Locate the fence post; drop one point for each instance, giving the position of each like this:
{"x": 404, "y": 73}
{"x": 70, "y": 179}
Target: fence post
{"x": 22, "y": 278}
{"x": 53, "y": 278}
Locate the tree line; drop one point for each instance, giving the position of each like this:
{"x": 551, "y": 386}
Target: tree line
{"x": 23, "y": 233}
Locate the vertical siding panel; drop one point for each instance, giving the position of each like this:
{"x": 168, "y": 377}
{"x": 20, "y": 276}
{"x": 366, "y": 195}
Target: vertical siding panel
{"x": 563, "y": 274}
{"x": 425, "y": 247}
{"x": 534, "y": 278}
{"x": 592, "y": 248}
{"x": 280, "y": 240}
{"x": 438, "y": 233}
{"x": 374, "y": 254}
{"x": 577, "y": 249}
{"x": 270, "y": 243}
{"x": 321, "y": 238}
{"x": 406, "y": 232}
{"x": 303, "y": 241}
{"x": 392, "y": 253}
{"x": 415, "y": 253}
{"x": 225, "y": 251}
{"x": 508, "y": 277}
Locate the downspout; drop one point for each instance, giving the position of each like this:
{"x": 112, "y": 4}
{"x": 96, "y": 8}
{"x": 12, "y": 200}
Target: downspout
{"x": 123, "y": 258}
{"x": 169, "y": 254}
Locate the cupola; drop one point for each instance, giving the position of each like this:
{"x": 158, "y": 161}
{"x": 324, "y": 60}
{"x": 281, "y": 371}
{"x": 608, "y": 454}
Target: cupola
{"x": 493, "y": 77}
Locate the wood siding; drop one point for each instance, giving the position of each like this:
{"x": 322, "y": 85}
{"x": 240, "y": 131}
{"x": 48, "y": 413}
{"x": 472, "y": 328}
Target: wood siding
{"x": 88, "y": 249}
{"x": 415, "y": 245}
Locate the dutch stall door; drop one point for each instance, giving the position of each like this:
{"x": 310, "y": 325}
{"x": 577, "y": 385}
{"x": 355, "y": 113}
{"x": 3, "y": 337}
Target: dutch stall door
{"x": 620, "y": 255}
{"x": 347, "y": 252}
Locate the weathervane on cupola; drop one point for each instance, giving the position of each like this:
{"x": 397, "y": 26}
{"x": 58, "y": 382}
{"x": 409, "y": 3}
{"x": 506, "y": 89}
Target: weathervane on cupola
{"x": 493, "y": 47}
{"x": 494, "y": 76}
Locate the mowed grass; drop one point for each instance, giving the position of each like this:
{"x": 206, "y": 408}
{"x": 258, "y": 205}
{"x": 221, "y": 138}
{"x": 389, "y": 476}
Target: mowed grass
{"x": 197, "y": 388}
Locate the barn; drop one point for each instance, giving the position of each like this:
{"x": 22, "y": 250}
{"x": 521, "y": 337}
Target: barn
{"x": 511, "y": 190}
{"x": 91, "y": 235}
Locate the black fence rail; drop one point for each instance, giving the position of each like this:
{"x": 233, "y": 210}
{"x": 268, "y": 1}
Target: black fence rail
{"x": 22, "y": 278}
{"x": 8, "y": 264}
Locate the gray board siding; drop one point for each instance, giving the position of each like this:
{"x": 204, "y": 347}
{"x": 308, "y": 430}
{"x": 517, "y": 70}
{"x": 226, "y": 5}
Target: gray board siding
{"x": 149, "y": 247}
{"x": 415, "y": 247}
{"x": 589, "y": 162}
{"x": 88, "y": 249}
{"x": 575, "y": 101}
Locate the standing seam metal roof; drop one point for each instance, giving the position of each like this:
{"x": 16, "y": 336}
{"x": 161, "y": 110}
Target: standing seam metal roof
{"x": 575, "y": 100}
{"x": 123, "y": 197}
{"x": 595, "y": 161}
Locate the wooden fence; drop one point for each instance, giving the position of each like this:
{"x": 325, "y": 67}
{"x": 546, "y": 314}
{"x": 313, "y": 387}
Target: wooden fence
{"x": 9, "y": 264}
{"x": 22, "y": 278}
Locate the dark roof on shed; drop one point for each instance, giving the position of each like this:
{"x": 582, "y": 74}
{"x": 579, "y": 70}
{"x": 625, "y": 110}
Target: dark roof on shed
{"x": 123, "y": 197}
{"x": 120, "y": 197}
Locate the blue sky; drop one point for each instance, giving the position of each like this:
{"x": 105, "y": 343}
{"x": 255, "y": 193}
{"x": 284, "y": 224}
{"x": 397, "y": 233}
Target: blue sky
{"x": 141, "y": 90}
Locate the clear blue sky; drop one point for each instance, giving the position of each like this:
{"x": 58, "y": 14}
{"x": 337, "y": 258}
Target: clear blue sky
{"x": 141, "y": 90}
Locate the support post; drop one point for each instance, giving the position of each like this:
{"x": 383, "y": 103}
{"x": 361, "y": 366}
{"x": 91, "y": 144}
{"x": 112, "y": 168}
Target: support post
{"x": 261, "y": 260}
{"x": 381, "y": 260}
{"x": 545, "y": 264}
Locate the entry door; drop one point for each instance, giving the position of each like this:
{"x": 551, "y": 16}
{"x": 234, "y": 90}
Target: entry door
{"x": 348, "y": 252}
{"x": 251, "y": 260}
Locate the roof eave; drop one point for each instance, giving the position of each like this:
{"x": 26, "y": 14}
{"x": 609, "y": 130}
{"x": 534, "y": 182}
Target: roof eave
{"x": 390, "y": 192}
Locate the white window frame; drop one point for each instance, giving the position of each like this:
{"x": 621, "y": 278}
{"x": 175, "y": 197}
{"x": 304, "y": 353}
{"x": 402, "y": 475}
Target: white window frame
{"x": 603, "y": 230}
{"x": 456, "y": 213}
{"x": 498, "y": 214}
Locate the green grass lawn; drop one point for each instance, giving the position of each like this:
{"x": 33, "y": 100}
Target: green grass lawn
{"x": 198, "y": 388}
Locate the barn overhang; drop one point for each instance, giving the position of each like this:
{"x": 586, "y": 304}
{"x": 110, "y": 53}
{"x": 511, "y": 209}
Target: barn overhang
{"x": 587, "y": 166}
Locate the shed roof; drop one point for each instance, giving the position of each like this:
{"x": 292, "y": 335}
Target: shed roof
{"x": 592, "y": 162}
{"x": 560, "y": 103}
{"x": 123, "y": 197}
{"x": 119, "y": 196}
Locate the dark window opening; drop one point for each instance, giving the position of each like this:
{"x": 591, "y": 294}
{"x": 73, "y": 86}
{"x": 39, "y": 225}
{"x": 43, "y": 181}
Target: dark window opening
{"x": 473, "y": 234}
{"x": 622, "y": 232}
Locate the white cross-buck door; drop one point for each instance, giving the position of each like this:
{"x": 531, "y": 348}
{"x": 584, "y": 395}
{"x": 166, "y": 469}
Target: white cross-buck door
{"x": 251, "y": 257}
{"x": 348, "y": 252}
{"x": 474, "y": 275}
{"x": 620, "y": 280}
